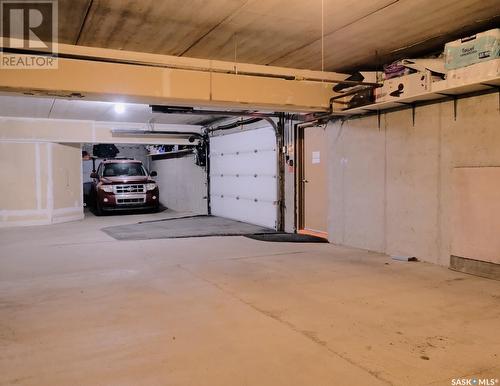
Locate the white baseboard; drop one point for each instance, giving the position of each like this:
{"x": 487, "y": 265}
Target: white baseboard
{"x": 56, "y": 216}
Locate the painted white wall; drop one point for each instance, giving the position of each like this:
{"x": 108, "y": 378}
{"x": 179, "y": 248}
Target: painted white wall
{"x": 40, "y": 164}
{"x": 182, "y": 184}
{"x": 41, "y": 183}
{"x": 390, "y": 188}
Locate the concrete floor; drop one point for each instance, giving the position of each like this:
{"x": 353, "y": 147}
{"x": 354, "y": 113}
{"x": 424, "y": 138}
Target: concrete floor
{"x": 80, "y": 308}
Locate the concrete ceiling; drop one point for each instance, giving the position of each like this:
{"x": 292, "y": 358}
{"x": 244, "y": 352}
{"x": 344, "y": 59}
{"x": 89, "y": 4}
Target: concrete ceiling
{"x": 35, "y": 107}
{"x": 277, "y": 32}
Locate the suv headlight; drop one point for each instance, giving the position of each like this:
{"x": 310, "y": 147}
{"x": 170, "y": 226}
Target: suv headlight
{"x": 151, "y": 186}
{"x": 106, "y": 188}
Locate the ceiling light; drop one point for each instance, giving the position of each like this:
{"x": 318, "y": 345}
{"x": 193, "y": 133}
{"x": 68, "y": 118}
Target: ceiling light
{"x": 119, "y": 108}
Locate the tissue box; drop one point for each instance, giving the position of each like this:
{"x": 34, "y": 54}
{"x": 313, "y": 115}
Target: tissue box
{"x": 473, "y": 49}
{"x": 404, "y": 86}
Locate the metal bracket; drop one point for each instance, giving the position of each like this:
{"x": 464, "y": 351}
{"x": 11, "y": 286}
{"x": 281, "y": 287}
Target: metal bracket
{"x": 498, "y": 93}
{"x": 413, "y": 106}
{"x": 489, "y": 85}
{"x": 444, "y": 94}
{"x": 455, "y": 102}
{"x": 455, "y": 107}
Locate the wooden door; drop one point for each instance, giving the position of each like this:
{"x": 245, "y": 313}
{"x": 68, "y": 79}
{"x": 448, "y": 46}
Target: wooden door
{"x": 314, "y": 181}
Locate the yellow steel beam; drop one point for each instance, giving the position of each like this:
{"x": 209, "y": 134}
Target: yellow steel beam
{"x": 122, "y": 76}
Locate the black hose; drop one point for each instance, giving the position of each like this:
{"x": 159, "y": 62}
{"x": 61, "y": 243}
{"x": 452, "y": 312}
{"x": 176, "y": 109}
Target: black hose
{"x": 236, "y": 124}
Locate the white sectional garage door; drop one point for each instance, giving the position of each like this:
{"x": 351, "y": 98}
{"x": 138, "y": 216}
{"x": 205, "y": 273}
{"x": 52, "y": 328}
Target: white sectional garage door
{"x": 243, "y": 176}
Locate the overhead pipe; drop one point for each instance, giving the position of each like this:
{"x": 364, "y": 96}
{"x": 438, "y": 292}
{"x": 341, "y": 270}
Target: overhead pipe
{"x": 192, "y": 136}
{"x": 323, "y": 117}
{"x": 193, "y": 111}
{"x": 236, "y": 124}
{"x": 230, "y": 113}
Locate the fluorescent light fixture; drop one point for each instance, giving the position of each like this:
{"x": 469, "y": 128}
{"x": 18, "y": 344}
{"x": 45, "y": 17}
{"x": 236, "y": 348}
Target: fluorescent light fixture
{"x": 119, "y": 108}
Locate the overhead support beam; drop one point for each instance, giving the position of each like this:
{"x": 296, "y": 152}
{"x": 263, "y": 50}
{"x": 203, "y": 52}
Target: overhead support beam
{"x": 100, "y": 79}
{"x": 70, "y": 51}
{"x": 79, "y": 131}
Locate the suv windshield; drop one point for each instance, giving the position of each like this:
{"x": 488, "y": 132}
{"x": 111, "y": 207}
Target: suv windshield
{"x": 123, "y": 169}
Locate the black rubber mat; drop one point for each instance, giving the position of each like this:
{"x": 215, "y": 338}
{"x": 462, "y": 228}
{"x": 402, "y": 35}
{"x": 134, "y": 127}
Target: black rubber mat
{"x": 287, "y": 238}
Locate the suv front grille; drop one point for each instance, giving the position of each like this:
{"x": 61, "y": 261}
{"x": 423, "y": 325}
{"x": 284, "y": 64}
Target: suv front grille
{"x": 135, "y": 200}
{"x": 125, "y": 189}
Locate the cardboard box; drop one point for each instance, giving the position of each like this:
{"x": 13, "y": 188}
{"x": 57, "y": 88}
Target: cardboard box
{"x": 436, "y": 66}
{"x": 473, "y": 49}
{"x": 405, "y": 86}
{"x": 475, "y": 73}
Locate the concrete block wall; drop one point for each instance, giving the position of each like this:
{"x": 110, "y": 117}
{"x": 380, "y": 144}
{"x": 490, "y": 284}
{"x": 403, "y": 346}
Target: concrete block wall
{"x": 390, "y": 188}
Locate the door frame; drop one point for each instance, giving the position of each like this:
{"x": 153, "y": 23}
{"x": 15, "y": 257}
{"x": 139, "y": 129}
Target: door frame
{"x": 299, "y": 177}
{"x": 299, "y": 183}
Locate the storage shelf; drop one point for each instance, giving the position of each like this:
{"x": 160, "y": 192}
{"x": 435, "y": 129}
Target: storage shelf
{"x": 170, "y": 154}
{"x": 440, "y": 91}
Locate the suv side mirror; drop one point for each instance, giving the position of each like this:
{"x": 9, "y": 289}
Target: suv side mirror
{"x": 94, "y": 175}
{"x": 153, "y": 174}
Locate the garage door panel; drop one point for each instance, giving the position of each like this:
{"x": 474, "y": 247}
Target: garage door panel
{"x": 244, "y": 164}
{"x": 245, "y": 140}
{"x": 260, "y": 213}
{"x": 244, "y": 187}
{"x": 243, "y": 176}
